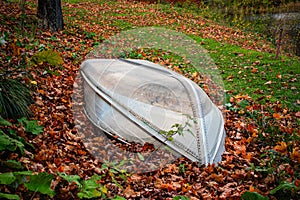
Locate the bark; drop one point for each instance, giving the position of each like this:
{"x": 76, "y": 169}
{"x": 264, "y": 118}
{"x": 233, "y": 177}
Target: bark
{"x": 50, "y": 14}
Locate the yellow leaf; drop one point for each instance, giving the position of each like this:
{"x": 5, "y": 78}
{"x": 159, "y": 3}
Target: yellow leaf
{"x": 104, "y": 190}
{"x": 241, "y": 112}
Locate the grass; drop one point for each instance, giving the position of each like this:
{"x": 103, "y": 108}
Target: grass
{"x": 244, "y": 71}
{"x": 122, "y": 24}
{"x": 256, "y": 73}
{"x": 251, "y": 72}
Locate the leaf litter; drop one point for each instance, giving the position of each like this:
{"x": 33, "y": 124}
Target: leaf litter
{"x": 255, "y": 150}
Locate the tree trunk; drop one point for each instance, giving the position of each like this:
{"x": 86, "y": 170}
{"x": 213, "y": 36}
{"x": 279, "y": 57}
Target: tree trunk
{"x": 50, "y": 14}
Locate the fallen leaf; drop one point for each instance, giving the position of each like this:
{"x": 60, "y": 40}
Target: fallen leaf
{"x": 276, "y": 115}
{"x": 128, "y": 192}
{"x": 268, "y": 83}
{"x": 295, "y": 155}
{"x": 281, "y": 147}
{"x": 81, "y": 152}
{"x": 254, "y": 70}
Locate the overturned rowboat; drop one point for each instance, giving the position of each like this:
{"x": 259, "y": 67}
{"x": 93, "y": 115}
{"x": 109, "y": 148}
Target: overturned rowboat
{"x": 142, "y": 102}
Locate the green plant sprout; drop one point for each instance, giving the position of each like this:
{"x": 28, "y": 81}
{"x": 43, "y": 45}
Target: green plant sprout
{"x": 34, "y": 182}
{"x": 10, "y": 141}
{"x": 179, "y": 129}
{"x": 115, "y": 171}
{"x": 88, "y": 189}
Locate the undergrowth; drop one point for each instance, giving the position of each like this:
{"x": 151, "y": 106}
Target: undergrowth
{"x": 261, "y": 91}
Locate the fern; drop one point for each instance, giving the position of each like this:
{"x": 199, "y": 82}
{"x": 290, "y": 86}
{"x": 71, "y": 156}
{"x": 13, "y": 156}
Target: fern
{"x": 4, "y": 122}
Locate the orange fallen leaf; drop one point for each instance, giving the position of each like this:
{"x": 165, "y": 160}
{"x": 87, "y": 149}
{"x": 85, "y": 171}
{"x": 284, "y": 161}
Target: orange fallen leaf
{"x": 254, "y": 70}
{"x": 171, "y": 168}
{"x": 52, "y": 133}
{"x": 176, "y": 68}
{"x": 61, "y": 168}
{"x": 186, "y": 188}
{"x": 168, "y": 186}
{"x": 218, "y": 177}
{"x": 279, "y": 76}
{"x": 276, "y": 115}
{"x": 128, "y": 192}
{"x": 240, "y": 149}
{"x": 42, "y": 91}
{"x": 248, "y": 156}
{"x": 251, "y": 188}
{"x": 80, "y": 152}
{"x": 295, "y": 155}
{"x": 281, "y": 147}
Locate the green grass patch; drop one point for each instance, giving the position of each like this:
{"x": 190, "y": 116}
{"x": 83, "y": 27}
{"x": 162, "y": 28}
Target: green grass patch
{"x": 122, "y": 24}
{"x": 256, "y": 73}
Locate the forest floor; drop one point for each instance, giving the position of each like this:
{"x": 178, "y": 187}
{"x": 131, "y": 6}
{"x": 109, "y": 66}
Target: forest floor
{"x": 261, "y": 111}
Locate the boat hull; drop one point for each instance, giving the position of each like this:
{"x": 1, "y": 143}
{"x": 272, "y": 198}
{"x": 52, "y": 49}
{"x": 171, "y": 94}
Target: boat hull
{"x": 139, "y": 101}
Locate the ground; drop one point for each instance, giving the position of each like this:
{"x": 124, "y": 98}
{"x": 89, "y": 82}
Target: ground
{"x": 262, "y": 144}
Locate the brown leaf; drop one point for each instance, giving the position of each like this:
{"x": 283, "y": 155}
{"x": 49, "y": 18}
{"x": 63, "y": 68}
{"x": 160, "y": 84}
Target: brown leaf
{"x": 227, "y": 190}
{"x": 254, "y": 70}
{"x": 217, "y": 177}
{"x": 128, "y": 192}
{"x": 81, "y": 152}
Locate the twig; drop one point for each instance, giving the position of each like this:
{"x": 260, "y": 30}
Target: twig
{"x": 279, "y": 43}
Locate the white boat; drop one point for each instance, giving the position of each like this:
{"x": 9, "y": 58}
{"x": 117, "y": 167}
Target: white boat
{"x": 142, "y": 102}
